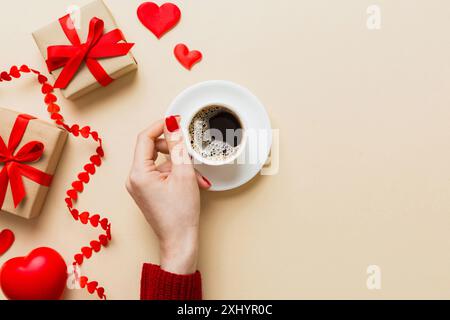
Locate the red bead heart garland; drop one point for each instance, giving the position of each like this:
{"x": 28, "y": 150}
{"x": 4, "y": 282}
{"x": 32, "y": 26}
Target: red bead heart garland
{"x": 83, "y": 178}
{"x": 6, "y": 241}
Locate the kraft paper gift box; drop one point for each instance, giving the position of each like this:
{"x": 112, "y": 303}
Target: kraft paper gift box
{"x": 27, "y": 132}
{"x": 84, "y": 81}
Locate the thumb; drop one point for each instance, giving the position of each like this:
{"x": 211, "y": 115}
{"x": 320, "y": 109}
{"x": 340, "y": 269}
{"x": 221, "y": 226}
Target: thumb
{"x": 181, "y": 161}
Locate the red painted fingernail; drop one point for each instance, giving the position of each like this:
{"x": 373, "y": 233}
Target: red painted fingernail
{"x": 172, "y": 124}
{"x": 207, "y": 181}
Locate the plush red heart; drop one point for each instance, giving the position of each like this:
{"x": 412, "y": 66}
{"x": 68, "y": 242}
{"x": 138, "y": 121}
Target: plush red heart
{"x": 187, "y": 58}
{"x": 159, "y": 20}
{"x": 6, "y": 240}
{"x": 42, "y": 275}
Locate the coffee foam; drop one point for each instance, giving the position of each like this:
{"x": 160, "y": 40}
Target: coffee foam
{"x": 203, "y": 142}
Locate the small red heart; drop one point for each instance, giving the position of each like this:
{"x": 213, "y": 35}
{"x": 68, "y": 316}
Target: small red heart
{"x": 46, "y": 88}
{"x": 85, "y": 132}
{"x": 87, "y": 252}
{"x": 78, "y": 186}
{"x": 75, "y": 214}
{"x": 92, "y": 286}
{"x": 25, "y": 69}
{"x": 14, "y": 72}
{"x": 72, "y": 194}
{"x": 84, "y": 177}
{"x": 69, "y": 202}
{"x": 75, "y": 129}
{"x": 159, "y": 20}
{"x": 90, "y": 168}
{"x": 94, "y": 135}
{"x": 96, "y": 246}
{"x": 95, "y": 219}
{"x": 6, "y": 241}
{"x": 50, "y": 98}
{"x": 53, "y": 108}
{"x": 79, "y": 259}
{"x": 41, "y": 275}
{"x": 57, "y": 117}
{"x": 42, "y": 79}
{"x": 96, "y": 160}
{"x": 100, "y": 152}
{"x": 83, "y": 282}
{"x": 84, "y": 217}
{"x": 101, "y": 292}
{"x": 5, "y": 76}
{"x": 103, "y": 240}
{"x": 104, "y": 223}
{"x": 187, "y": 58}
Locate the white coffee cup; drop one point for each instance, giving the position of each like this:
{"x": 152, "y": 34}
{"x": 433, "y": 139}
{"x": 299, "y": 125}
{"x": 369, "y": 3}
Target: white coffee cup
{"x": 199, "y": 158}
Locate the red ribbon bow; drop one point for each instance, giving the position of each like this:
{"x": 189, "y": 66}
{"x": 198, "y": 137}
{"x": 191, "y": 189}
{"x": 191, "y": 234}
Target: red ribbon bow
{"x": 14, "y": 168}
{"x": 97, "y": 46}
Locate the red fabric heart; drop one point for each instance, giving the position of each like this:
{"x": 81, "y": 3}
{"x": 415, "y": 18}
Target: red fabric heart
{"x": 6, "y": 241}
{"x": 187, "y": 58}
{"x": 42, "y": 275}
{"x": 159, "y": 20}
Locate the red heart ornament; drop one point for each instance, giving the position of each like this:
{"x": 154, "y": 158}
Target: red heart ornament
{"x": 41, "y": 275}
{"x": 6, "y": 241}
{"x": 159, "y": 20}
{"x": 187, "y": 58}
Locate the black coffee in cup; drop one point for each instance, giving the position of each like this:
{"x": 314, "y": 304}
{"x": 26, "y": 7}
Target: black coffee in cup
{"x": 216, "y": 133}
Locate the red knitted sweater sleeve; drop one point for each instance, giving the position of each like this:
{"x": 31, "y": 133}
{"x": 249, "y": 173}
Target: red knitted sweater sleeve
{"x": 157, "y": 284}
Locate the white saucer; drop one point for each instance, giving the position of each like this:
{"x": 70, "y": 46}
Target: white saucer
{"x": 231, "y": 176}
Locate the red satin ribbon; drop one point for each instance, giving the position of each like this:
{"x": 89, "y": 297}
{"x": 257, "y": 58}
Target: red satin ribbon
{"x": 15, "y": 168}
{"x": 97, "y": 46}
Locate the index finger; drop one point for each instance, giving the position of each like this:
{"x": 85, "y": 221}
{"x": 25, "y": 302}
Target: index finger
{"x": 145, "y": 146}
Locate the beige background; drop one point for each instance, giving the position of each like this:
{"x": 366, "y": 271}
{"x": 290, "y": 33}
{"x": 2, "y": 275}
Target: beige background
{"x": 365, "y": 160}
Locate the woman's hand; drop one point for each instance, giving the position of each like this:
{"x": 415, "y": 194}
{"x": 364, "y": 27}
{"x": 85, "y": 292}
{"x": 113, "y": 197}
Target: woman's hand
{"x": 169, "y": 194}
